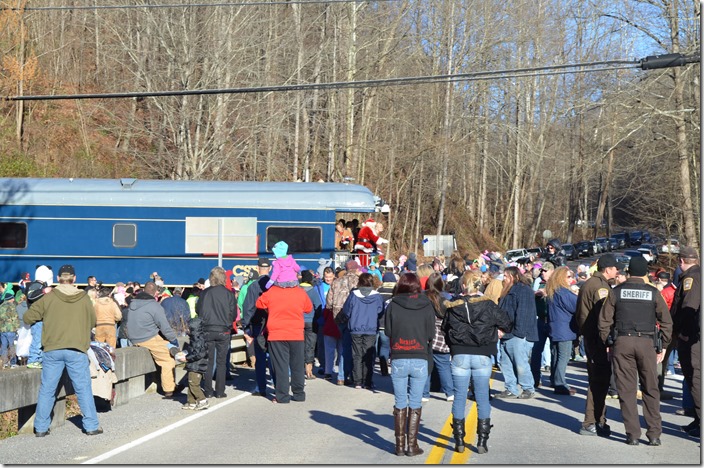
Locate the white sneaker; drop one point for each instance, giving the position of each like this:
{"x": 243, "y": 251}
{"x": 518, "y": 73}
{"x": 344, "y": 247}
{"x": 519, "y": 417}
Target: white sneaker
{"x": 424, "y": 399}
{"x": 201, "y": 405}
{"x": 451, "y": 398}
{"x": 189, "y": 406}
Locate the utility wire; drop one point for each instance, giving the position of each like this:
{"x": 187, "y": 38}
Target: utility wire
{"x": 476, "y": 76}
{"x": 187, "y": 5}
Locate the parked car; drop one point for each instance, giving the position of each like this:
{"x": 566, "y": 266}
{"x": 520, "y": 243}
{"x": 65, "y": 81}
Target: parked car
{"x": 613, "y": 244}
{"x": 646, "y": 237}
{"x": 635, "y": 238}
{"x": 671, "y": 246}
{"x": 584, "y": 249}
{"x": 649, "y": 255}
{"x": 623, "y": 240}
{"x": 536, "y": 252}
{"x": 515, "y": 254}
{"x": 570, "y": 252}
{"x": 603, "y": 244}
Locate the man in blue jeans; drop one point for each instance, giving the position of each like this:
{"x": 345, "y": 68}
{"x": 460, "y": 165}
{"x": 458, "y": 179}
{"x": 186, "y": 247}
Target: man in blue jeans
{"x": 517, "y": 346}
{"x": 253, "y": 321}
{"x": 68, "y": 318}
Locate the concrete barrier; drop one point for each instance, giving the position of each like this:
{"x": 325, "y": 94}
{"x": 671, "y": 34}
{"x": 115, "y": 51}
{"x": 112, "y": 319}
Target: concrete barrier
{"x": 136, "y": 375}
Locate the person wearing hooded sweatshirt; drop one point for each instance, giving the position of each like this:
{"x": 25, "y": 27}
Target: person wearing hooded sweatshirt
{"x": 107, "y": 314}
{"x": 68, "y": 317}
{"x": 284, "y": 271}
{"x": 410, "y": 326}
{"x": 146, "y": 319}
{"x": 363, "y": 308}
{"x": 554, "y": 253}
{"x": 412, "y": 263}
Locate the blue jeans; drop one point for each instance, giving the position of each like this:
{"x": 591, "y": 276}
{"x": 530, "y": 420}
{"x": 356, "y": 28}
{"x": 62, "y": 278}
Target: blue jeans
{"x": 261, "y": 362}
{"x": 515, "y": 364}
{"x": 408, "y": 377}
{"x": 442, "y": 364}
{"x": 7, "y": 342}
{"x": 478, "y": 369}
{"x": 383, "y": 344}
{"x": 77, "y": 365}
{"x": 561, "y": 352}
{"x": 35, "y": 348}
{"x": 345, "y": 364}
{"x": 536, "y": 359}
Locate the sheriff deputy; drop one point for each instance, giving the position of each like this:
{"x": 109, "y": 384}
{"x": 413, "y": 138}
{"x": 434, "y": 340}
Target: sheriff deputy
{"x": 632, "y": 313}
{"x": 686, "y": 313}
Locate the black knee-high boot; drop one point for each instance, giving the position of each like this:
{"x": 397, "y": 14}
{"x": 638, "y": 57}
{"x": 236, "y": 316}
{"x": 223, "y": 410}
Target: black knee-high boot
{"x": 483, "y": 428}
{"x": 458, "y": 431}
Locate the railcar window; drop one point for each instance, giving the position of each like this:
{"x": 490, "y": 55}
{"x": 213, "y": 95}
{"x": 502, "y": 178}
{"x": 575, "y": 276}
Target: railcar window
{"x": 124, "y": 235}
{"x": 13, "y": 235}
{"x": 299, "y": 239}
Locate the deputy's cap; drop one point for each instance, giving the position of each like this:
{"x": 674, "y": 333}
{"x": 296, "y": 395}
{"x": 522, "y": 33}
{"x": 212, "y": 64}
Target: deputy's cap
{"x": 67, "y": 270}
{"x": 638, "y": 266}
{"x": 264, "y": 262}
{"x": 606, "y": 261}
{"x": 688, "y": 252}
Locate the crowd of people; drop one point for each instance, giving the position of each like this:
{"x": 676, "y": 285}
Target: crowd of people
{"x": 456, "y": 319}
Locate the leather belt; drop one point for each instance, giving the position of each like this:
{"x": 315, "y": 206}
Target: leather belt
{"x": 649, "y": 335}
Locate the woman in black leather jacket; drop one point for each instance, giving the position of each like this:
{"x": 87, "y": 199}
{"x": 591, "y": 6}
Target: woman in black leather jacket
{"x": 472, "y": 326}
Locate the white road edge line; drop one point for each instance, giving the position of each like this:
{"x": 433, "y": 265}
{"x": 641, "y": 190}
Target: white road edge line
{"x": 162, "y": 431}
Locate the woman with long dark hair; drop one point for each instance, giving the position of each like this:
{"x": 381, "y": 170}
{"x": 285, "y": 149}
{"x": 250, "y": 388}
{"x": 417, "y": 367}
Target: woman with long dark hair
{"x": 410, "y": 326}
{"x": 473, "y": 324}
{"x": 435, "y": 290}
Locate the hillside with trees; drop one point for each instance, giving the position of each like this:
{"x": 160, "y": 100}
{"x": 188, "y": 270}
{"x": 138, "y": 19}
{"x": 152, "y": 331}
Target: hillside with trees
{"x": 495, "y": 158}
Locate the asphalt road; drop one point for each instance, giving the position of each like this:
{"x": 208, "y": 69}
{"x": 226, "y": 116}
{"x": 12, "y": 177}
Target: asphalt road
{"x": 342, "y": 425}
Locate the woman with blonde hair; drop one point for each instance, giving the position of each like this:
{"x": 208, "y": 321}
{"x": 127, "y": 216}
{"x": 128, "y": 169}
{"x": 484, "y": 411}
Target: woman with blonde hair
{"x": 423, "y": 272}
{"x": 562, "y": 327}
{"x": 472, "y": 325}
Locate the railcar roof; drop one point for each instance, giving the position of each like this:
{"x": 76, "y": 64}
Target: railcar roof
{"x": 186, "y": 193}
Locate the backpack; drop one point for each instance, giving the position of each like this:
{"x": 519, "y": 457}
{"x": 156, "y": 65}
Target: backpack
{"x": 35, "y": 291}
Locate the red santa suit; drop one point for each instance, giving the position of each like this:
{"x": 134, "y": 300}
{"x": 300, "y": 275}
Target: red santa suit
{"x": 367, "y": 240}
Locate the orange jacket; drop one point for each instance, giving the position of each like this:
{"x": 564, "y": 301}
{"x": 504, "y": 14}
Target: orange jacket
{"x": 285, "y": 308}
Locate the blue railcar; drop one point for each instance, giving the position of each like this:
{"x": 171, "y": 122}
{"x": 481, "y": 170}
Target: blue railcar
{"x": 123, "y": 230}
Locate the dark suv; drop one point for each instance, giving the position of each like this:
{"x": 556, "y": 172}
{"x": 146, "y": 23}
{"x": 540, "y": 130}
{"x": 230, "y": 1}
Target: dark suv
{"x": 636, "y": 238}
{"x": 623, "y": 240}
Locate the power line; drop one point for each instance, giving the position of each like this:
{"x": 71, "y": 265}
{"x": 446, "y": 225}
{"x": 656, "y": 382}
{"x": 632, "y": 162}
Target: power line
{"x": 476, "y": 76}
{"x": 187, "y": 5}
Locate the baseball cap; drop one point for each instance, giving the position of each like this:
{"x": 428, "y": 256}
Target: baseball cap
{"x": 67, "y": 270}
{"x": 264, "y": 262}
{"x": 547, "y": 266}
{"x": 688, "y": 252}
{"x": 606, "y": 261}
{"x": 664, "y": 275}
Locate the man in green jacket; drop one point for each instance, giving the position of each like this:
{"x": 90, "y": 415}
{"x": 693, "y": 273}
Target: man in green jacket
{"x": 68, "y": 316}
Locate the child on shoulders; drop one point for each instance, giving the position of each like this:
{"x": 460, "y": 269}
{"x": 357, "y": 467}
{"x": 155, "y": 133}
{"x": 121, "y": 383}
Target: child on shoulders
{"x": 284, "y": 271}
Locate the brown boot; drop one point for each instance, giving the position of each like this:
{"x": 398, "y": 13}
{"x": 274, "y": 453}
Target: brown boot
{"x": 413, "y": 426}
{"x": 400, "y": 419}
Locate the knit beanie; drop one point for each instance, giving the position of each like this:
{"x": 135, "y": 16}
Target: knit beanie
{"x": 280, "y": 249}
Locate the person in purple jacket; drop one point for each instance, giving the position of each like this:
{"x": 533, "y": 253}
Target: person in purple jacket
{"x": 562, "y": 327}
